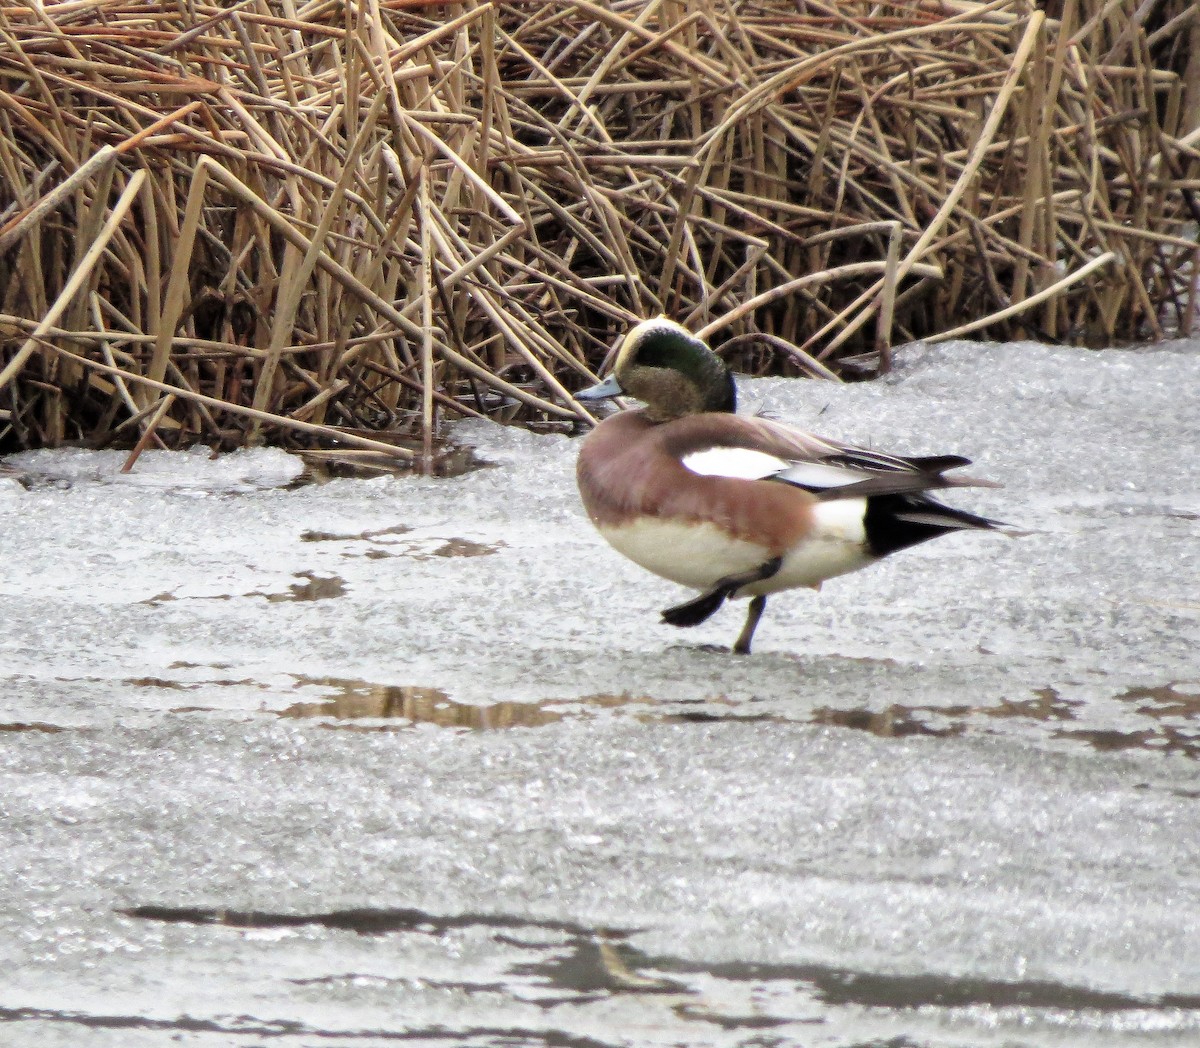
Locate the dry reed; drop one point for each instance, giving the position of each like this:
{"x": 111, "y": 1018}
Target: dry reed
{"x": 335, "y": 224}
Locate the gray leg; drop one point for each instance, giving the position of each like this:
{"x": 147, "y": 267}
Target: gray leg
{"x": 757, "y": 607}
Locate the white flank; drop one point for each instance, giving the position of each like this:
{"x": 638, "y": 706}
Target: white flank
{"x": 741, "y": 463}
{"x": 698, "y": 555}
{"x": 695, "y": 555}
{"x": 836, "y": 545}
{"x": 840, "y": 521}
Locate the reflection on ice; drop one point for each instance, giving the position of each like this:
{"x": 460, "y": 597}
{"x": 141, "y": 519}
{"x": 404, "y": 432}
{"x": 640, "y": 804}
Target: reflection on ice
{"x": 49, "y": 729}
{"x": 315, "y": 587}
{"x": 898, "y": 721}
{"x": 586, "y": 961}
{"x": 1175, "y": 710}
{"x": 359, "y": 700}
{"x": 895, "y": 721}
{"x": 355, "y": 700}
{"x": 1167, "y": 700}
{"x": 310, "y": 587}
{"x": 361, "y": 536}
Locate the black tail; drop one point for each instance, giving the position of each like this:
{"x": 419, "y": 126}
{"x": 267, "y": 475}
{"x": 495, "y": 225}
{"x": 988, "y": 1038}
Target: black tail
{"x": 895, "y": 522}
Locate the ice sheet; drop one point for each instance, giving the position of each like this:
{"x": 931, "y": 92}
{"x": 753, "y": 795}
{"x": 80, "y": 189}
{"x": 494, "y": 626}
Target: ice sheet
{"x": 415, "y": 758}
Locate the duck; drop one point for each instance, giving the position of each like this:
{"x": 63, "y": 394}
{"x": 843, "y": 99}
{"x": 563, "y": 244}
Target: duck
{"x": 741, "y": 506}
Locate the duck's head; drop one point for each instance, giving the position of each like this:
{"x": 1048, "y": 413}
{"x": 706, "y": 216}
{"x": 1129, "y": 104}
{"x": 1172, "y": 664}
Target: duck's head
{"x": 673, "y": 372}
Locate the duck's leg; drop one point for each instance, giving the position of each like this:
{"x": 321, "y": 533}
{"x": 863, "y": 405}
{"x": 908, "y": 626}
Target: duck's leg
{"x": 757, "y": 607}
{"x": 696, "y": 610}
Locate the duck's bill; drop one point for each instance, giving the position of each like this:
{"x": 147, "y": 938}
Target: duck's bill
{"x": 610, "y": 387}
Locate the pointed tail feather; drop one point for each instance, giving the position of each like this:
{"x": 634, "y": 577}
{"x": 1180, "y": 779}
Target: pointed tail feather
{"x": 948, "y": 519}
{"x": 895, "y": 522}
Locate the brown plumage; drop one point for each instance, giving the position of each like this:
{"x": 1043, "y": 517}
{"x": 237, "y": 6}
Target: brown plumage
{"x": 737, "y": 506}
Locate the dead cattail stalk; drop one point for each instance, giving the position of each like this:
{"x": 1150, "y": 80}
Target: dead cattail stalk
{"x": 79, "y": 276}
{"x": 358, "y": 219}
{"x": 427, "y": 379}
{"x": 148, "y": 433}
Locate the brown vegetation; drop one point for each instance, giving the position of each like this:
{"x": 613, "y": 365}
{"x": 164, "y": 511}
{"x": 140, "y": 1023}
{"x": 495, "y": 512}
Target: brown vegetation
{"x": 300, "y": 222}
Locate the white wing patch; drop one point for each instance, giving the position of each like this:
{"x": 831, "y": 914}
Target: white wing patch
{"x": 741, "y": 463}
{"x": 750, "y": 464}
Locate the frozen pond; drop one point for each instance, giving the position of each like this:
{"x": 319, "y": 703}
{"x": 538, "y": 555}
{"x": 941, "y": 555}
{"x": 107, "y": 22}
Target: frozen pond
{"x": 413, "y": 760}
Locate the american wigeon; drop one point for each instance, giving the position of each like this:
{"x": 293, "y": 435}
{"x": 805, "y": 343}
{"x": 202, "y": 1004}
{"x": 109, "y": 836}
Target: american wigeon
{"x": 739, "y": 506}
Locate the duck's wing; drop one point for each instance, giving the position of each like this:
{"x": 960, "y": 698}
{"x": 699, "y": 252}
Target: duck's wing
{"x": 762, "y": 449}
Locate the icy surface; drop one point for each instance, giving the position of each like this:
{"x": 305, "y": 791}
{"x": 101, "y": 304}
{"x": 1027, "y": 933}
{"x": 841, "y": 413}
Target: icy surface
{"x": 412, "y": 759}
{"x": 194, "y": 470}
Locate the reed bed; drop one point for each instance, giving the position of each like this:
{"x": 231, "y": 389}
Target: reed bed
{"x": 333, "y": 225}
